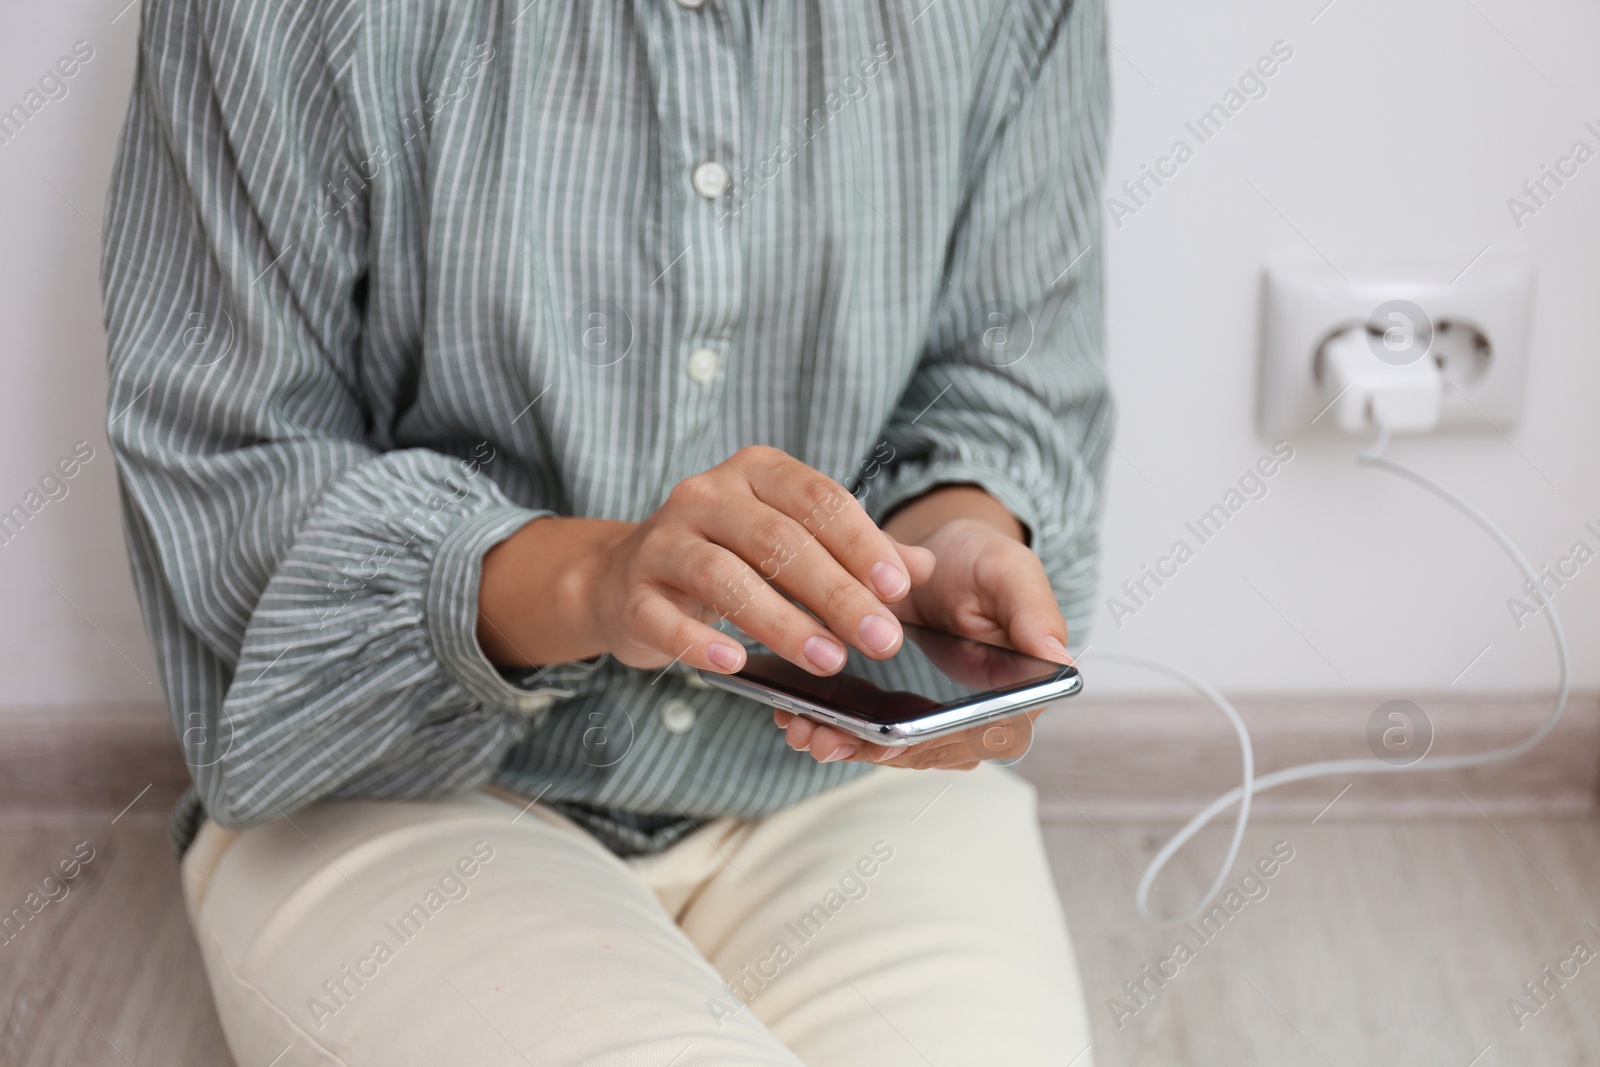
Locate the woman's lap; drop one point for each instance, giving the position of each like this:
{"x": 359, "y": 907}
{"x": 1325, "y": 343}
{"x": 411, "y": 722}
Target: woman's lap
{"x": 905, "y": 917}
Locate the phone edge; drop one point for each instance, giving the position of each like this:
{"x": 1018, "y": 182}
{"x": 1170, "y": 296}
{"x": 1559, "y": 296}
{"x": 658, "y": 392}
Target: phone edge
{"x": 942, "y": 724}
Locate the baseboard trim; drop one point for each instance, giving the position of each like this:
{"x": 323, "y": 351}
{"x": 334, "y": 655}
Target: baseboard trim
{"x": 116, "y": 761}
{"x": 1143, "y": 758}
{"x": 1112, "y": 758}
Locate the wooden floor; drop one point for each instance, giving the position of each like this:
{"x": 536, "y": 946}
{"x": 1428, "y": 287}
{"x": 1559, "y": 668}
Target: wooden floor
{"x": 108, "y": 974}
{"x": 1392, "y": 943}
{"x": 1380, "y": 943}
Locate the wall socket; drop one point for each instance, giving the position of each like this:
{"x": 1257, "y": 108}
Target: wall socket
{"x": 1475, "y": 327}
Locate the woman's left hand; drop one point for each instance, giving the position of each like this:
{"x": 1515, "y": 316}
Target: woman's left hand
{"x": 987, "y": 585}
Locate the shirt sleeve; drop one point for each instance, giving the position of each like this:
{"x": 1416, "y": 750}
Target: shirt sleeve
{"x": 1011, "y": 390}
{"x": 312, "y": 597}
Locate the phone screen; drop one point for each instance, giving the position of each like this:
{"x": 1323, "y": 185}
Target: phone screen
{"x": 933, "y": 669}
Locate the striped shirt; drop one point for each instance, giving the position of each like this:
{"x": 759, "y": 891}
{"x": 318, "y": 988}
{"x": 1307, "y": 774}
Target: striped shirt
{"x": 385, "y": 280}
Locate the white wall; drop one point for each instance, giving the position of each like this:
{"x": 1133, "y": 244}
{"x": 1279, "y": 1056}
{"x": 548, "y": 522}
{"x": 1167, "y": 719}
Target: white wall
{"x": 1399, "y": 127}
{"x": 71, "y": 631}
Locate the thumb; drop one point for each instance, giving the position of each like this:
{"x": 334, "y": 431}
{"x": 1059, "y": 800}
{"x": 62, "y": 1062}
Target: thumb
{"x": 919, "y": 561}
{"x": 1033, "y": 621}
{"x": 1042, "y": 634}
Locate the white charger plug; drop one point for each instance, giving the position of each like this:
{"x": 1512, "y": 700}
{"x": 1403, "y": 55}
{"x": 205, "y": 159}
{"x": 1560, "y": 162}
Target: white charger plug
{"x": 1364, "y": 390}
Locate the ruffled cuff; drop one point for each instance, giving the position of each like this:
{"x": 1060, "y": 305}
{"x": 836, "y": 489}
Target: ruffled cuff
{"x": 360, "y": 672}
{"x": 905, "y": 483}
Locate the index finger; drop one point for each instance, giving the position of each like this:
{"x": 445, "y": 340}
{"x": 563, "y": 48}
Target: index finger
{"x": 834, "y": 517}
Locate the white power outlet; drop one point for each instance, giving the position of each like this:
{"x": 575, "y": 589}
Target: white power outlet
{"x": 1476, "y": 328}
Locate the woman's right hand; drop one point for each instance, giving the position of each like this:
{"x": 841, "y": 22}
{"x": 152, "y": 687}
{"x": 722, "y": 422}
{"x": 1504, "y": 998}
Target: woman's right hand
{"x": 735, "y": 542}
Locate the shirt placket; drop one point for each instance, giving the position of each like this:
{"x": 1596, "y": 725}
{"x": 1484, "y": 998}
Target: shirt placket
{"x": 707, "y": 277}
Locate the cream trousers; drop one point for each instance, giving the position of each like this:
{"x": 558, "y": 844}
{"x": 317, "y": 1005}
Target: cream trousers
{"x": 906, "y": 917}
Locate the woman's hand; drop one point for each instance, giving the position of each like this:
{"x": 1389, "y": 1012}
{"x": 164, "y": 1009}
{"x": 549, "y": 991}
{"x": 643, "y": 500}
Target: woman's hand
{"x": 728, "y": 543}
{"x": 986, "y": 584}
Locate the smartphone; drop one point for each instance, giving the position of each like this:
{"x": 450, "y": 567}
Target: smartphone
{"x": 937, "y": 684}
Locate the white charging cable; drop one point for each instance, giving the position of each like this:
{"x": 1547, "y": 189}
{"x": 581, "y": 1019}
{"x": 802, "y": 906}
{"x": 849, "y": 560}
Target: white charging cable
{"x": 1251, "y": 785}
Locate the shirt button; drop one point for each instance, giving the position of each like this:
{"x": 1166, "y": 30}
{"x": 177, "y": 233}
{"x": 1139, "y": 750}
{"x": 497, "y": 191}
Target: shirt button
{"x": 677, "y": 716}
{"x": 529, "y": 703}
{"x": 691, "y": 4}
{"x": 703, "y": 363}
{"x": 711, "y": 179}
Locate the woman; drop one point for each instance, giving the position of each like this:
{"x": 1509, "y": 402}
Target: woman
{"x": 478, "y": 367}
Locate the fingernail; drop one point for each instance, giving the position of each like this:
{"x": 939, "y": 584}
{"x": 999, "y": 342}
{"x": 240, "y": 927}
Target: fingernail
{"x": 725, "y": 656}
{"x": 842, "y": 752}
{"x": 878, "y": 633}
{"x": 824, "y": 653}
{"x": 889, "y": 580}
{"x": 1055, "y": 642}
